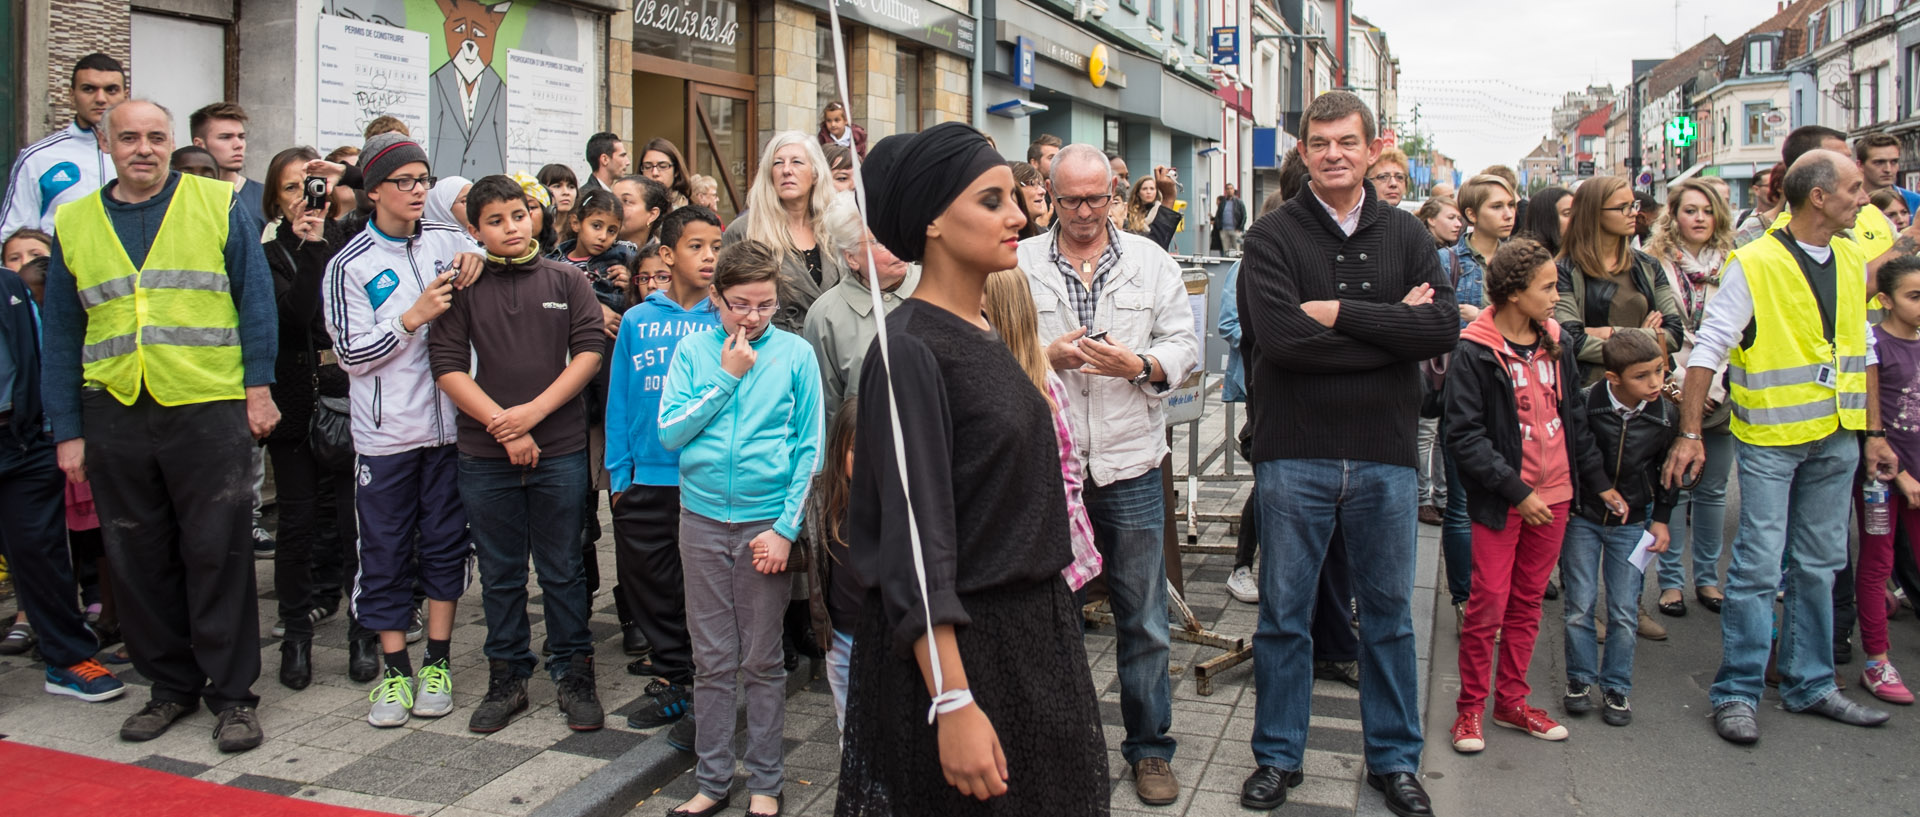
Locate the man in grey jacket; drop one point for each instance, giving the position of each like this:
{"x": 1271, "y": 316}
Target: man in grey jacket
{"x": 1117, "y": 309}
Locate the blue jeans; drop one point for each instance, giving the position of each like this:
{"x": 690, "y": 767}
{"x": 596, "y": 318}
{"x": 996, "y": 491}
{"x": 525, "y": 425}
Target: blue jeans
{"x": 1589, "y": 552}
{"x": 1129, "y": 527}
{"x": 1700, "y": 521}
{"x": 517, "y": 512}
{"x": 1793, "y": 502}
{"x": 1375, "y": 506}
{"x": 1456, "y": 537}
{"x": 839, "y": 663}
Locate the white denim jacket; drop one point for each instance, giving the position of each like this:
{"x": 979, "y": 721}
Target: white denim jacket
{"x": 1119, "y": 428}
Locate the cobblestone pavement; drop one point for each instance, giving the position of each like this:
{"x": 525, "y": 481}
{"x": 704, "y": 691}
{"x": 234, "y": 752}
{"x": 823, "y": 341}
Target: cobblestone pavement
{"x": 1213, "y": 758}
{"x": 319, "y": 745}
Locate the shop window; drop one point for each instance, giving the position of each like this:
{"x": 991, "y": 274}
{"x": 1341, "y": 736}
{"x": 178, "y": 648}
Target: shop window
{"x": 707, "y": 33}
{"x": 906, "y": 91}
{"x": 195, "y": 58}
{"x": 828, "y": 88}
{"x": 1115, "y": 142}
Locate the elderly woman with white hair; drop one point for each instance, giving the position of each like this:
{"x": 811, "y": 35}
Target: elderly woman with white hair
{"x": 840, "y": 325}
{"x": 787, "y": 210}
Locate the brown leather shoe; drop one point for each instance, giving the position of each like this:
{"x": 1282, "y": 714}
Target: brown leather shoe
{"x": 1153, "y": 781}
{"x": 1430, "y": 515}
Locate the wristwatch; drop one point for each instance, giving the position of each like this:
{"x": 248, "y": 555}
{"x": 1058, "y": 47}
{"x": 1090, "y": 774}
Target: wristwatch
{"x": 1872, "y": 433}
{"x": 1690, "y": 436}
{"x": 1146, "y": 371}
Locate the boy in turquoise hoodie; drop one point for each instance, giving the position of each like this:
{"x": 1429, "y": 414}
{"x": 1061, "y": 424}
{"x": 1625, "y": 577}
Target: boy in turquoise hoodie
{"x": 645, "y": 476}
{"x": 742, "y": 404}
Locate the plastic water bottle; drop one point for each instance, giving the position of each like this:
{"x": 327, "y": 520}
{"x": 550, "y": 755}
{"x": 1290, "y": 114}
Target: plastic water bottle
{"x": 1879, "y": 518}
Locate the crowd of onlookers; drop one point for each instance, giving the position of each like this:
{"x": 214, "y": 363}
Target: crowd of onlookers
{"x": 449, "y": 376}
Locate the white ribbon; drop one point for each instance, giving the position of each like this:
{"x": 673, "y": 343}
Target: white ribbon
{"x": 943, "y": 701}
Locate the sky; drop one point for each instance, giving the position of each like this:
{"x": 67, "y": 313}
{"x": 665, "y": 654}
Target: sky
{"x": 1487, "y": 82}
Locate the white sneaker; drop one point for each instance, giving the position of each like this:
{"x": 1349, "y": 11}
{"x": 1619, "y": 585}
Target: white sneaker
{"x": 1240, "y": 583}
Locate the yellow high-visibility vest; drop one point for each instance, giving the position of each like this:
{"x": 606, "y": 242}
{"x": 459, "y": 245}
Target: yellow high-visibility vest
{"x": 169, "y": 326}
{"x": 1778, "y": 395}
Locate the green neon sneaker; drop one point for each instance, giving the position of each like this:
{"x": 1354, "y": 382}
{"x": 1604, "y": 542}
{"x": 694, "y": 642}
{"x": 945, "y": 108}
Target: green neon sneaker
{"x": 391, "y": 700}
{"x": 435, "y": 696}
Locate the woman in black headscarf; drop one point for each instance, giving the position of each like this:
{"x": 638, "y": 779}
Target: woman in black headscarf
{"x": 1028, "y": 741}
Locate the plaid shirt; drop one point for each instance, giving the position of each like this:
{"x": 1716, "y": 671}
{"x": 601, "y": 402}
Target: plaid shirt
{"x": 1085, "y": 300}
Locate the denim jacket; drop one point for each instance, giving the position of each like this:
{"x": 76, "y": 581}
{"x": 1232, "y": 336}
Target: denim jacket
{"x": 1469, "y": 286}
{"x": 1233, "y": 389}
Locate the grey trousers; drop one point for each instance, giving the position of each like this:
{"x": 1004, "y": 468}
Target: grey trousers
{"x": 733, "y": 618}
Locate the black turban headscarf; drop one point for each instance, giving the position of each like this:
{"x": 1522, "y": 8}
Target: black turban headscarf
{"x": 910, "y": 179}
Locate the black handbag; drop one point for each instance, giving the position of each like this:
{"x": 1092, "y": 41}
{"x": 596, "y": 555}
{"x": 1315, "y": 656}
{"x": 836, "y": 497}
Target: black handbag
{"x": 330, "y": 428}
{"x": 330, "y": 431}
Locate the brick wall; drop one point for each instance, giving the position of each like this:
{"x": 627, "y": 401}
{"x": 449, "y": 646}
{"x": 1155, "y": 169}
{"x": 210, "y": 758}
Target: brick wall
{"x": 870, "y": 73}
{"x": 784, "y": 61}
{"x": 944, "y": 88}
{"x": 620, "y": 71}
{"x": 82, "y": 27}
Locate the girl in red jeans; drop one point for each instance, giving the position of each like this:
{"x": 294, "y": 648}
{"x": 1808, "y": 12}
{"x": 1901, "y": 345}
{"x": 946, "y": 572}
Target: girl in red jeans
{"x": 1516, "y": 427}
{"x": 1897, "y": 345}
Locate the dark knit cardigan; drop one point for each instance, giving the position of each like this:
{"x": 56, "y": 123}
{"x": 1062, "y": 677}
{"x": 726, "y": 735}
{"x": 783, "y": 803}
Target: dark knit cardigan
{"x": 1352, "y": 391}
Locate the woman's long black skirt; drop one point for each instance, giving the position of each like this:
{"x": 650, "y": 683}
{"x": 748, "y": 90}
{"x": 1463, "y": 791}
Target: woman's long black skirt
{"x": 1027, "y": 667}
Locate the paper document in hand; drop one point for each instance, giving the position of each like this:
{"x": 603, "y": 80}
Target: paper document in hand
{"x": 1641, "y": 556}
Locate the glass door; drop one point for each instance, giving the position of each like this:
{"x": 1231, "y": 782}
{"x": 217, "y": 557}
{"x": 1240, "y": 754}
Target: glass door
{"x": 720, "y": 129}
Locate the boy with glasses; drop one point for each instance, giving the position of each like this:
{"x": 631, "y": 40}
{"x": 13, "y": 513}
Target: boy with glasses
{"x": 382, "y": 293}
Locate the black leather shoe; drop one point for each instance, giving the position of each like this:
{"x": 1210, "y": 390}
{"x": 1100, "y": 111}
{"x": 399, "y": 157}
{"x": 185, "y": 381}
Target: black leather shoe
{"x": 1266, "y": 788}
{"x": 1403, "y": 793}
{"x": 296, "y": 664}
{"x": 718, "y": 806}
{"x": 633, "y": 642}
{"x": 1712, "y": 603}
{"x": 1735, "y": 722}
{"x": 363, "y": 659}
{"x": 1842, "y": 649}
{"x": 1847, "y": 711}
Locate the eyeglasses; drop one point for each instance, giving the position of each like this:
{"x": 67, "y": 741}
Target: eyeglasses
{"x": 656, "y": 166}
{"x": 1072, "y": 203}
{"x": 1383, "y": 178}
{"x": 405, "y": 184}
{"x": 744, "y": 310}
{"x": 1628, "y": 209}
{"x": 659, "y": 277}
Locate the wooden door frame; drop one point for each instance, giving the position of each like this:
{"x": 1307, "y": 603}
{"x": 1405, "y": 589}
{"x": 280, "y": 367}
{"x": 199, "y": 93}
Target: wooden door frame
{"x": 698, "y": 126}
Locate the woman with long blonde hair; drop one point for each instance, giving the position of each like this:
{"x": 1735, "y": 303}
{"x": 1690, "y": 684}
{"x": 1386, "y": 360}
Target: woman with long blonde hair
{"x": 1691, "y": 241}
{"x": 786, "y": 210}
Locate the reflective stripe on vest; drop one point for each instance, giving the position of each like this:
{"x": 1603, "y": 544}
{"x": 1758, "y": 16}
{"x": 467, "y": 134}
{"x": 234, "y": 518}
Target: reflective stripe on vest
{"x": 169, "y": 328}
{"x": 1775, "y": 383}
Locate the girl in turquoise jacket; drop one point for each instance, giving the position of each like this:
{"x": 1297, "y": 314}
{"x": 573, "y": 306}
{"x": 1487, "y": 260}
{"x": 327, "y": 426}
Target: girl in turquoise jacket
{"x": 742, "y": 405}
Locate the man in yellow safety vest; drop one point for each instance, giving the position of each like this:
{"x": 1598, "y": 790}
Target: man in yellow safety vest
{"x": 160, "y": 345}
{"x": 1790, "y": 323}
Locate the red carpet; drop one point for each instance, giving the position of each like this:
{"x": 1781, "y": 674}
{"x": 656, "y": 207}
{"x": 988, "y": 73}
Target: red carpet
{"x": 46, "y": 783}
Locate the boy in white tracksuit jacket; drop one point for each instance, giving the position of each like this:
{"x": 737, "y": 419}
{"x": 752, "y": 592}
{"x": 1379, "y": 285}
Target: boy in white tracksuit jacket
{"x": 381, "y": 292}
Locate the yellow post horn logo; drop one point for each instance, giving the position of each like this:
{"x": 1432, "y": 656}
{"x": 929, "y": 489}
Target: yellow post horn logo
{"x": 1098, "y": 66}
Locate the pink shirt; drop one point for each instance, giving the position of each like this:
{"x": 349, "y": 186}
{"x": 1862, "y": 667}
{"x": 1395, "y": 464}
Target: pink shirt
{"x": 1086, "y": 559}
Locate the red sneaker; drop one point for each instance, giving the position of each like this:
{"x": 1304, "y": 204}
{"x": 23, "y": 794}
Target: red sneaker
{"x": 1466, "y": 734}
{"x": 1532, "y": 721}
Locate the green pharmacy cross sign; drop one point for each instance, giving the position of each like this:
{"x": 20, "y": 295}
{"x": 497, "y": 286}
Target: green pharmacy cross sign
{"x": 1681, "y": 131}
